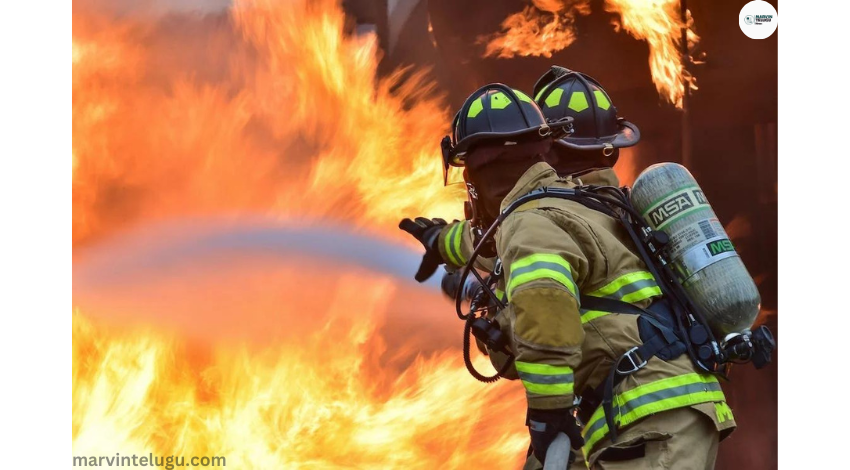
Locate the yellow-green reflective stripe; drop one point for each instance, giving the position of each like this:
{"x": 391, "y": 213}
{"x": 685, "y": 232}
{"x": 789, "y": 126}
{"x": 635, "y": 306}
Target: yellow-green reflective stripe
{"x": 541, "y": 273}
{"x": 634, "y": 399}
{"x": 548, "y": 389}
{"x": 447, "y": 242}
{"x": 456, "y": 239}
{"x": 632, "y": 287}
{"x": 541, "y": 266}
{"x": 449, "y": 247}
{"x": 500, "y": 294}
{"x": 664, "y": 404}
{"x": 590, "y": 315}
{"x": 545, "y": 379}
{"x": 662, "y": 384}
{"x": 598, "y": 429}
{"x": 621, "y": 281}
{"x": 654, "y": 397}
{"x": 642, "y": 294}
{"x": 542, "y": 369}
{"x": 593, "y": 438}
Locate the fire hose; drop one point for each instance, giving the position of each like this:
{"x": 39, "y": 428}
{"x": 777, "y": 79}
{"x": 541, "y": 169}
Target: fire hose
{"x": 558, "y": 454}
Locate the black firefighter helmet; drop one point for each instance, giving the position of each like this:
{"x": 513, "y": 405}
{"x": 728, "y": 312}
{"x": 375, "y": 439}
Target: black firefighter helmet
{"x": 598, "y": 133}
{"x": 496, "y": 114}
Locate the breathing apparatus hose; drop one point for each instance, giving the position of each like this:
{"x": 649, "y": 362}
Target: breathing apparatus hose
{"x": 467, "y": 360}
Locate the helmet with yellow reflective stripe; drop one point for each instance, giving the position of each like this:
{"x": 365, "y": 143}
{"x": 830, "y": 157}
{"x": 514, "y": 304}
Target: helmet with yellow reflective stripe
{"x": 561, "y": 93}
{"x": 495, "y": 114}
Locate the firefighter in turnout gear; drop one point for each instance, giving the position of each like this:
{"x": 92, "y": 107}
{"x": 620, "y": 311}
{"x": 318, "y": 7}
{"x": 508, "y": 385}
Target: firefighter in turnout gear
{"x": 589, "y": 152}
{"x": 558, "y": 256}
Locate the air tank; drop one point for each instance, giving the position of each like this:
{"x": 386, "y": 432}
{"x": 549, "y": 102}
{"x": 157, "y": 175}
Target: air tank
{"x": 712, "y": 273}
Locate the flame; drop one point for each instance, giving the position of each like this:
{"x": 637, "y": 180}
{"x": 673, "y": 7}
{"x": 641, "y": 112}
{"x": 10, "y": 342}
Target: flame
{"x": 659, "y": 23}
{"x": 549, "y": 26}
{"x": 323, "y": 401}
{"x": 538, "y": 30}
{"x": 626, "y": 167}
{"x": 274, "y": 110}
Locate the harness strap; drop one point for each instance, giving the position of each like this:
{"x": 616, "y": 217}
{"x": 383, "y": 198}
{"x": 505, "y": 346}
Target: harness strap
{"x": 633, "y": 360}
{"x": 610, "y": 305}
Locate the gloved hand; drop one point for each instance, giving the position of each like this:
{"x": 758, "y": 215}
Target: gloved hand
{"x": 544, "y": 425}
{"x": 427, "y": 231}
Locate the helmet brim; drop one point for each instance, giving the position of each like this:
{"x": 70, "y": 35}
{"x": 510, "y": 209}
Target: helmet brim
{"x": 628, "y": 136}
{"x": 459, "y": 151}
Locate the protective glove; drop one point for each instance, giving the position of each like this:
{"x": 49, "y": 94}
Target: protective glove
{"x": 427, "y": 231}
{"x": 544, "y": 425}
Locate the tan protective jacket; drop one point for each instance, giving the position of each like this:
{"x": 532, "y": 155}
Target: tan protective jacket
{"x": 553, "y": 252}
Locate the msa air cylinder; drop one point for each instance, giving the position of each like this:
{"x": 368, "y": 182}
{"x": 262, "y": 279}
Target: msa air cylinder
{"x": 715, "y": 278}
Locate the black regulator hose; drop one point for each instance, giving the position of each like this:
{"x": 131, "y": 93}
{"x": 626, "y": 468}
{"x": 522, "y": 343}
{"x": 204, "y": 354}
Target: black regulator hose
{"x": 467, "y": 359}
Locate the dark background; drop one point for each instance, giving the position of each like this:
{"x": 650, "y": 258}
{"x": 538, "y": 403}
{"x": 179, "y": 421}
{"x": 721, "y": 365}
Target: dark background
{"x": 732, "y": 120}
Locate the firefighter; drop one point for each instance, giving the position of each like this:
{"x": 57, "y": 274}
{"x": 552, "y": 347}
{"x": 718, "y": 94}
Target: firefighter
{"x": 588, "y": 156}
{"x": 555, "y": 253}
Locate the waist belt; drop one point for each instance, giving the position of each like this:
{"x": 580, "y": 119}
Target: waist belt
{"x": 633, "y": 360}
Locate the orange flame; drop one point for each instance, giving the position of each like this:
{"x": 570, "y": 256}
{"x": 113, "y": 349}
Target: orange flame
{"x": 271, "y": 109}
{"x": 538, "y": 30}
{"x": 659, "y": 24}
{"x": 327, "y": 399}
{"x": 277, "y": 112}
{"x": 548, "y": 27}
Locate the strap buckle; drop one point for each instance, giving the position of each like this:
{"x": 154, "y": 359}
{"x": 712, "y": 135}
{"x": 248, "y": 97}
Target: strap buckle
{"x": 637, "y": 362}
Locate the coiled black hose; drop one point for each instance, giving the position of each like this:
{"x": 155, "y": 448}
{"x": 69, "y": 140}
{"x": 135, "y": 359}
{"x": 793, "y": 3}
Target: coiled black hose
{"x": 467, "y": 360}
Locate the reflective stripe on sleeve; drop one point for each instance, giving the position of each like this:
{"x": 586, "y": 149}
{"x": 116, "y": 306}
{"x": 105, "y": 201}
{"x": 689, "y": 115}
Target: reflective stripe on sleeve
{"x": 541, "y": 266}
{"x": 545, "y": 379}
{"x": 453, "y": 244}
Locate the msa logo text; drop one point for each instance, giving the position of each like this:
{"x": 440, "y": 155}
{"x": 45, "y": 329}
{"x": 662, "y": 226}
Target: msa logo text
{"x": 720, "y": 246}
{"x": 676, "y": 205}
